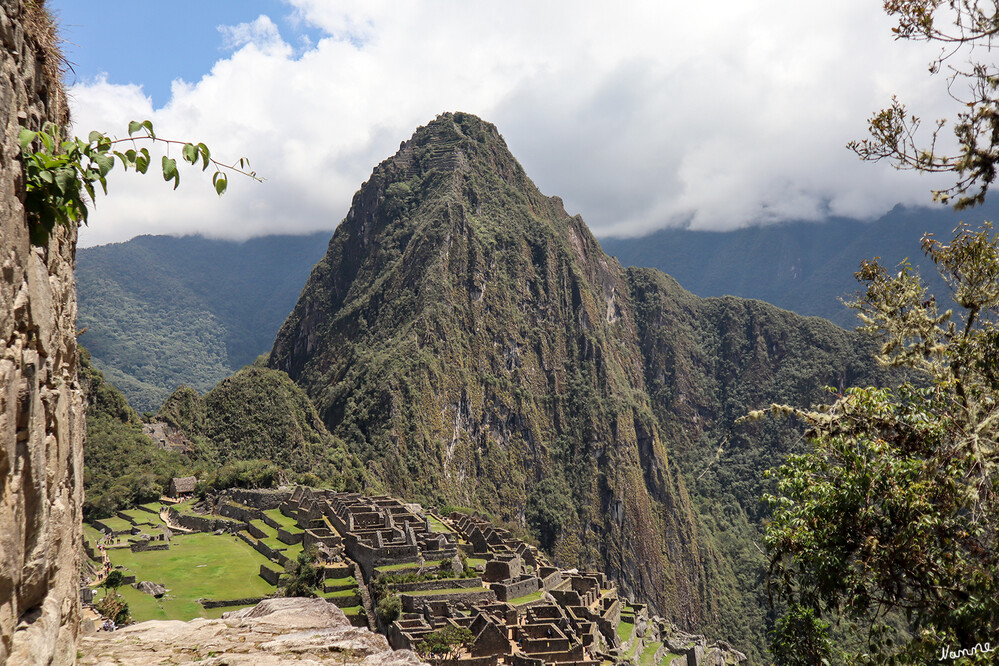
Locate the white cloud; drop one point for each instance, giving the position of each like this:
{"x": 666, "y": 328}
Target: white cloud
{"x": 261, "y": 32}
{"x": 638, "y": 114}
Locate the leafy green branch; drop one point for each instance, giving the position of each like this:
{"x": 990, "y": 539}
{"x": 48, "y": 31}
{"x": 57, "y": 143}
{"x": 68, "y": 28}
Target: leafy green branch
{"x": 61, "y": 175}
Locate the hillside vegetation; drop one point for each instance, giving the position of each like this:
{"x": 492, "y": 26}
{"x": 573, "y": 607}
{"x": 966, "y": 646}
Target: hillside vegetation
{"x": 161, "y": 311}
{"x": 260, "y": 414}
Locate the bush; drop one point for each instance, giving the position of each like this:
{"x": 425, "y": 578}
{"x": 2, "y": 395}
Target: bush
{"x": 389, "y": 609}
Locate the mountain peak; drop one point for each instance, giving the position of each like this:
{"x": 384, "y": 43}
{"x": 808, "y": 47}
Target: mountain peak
{"x": 451, "y": 143}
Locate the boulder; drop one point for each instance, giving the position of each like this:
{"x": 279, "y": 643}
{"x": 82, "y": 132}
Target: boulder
{"x": 154, "y": 589}
{"x": 275, "y": 631}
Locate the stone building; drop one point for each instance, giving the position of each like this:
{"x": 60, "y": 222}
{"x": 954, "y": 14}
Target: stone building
{"x": 182, "y": 486}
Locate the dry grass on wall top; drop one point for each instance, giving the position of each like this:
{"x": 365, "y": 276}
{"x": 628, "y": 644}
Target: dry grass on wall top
{"x": 40, "y": 27}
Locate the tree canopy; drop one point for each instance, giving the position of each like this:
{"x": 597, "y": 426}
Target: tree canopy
{"x": 893, "y": 512}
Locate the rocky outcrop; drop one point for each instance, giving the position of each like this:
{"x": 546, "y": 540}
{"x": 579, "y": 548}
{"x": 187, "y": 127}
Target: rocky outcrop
{"x": 41, "y": 405}
{"x": 275, "y": 631}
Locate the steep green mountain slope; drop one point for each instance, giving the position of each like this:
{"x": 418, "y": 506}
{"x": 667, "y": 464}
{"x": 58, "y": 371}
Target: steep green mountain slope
{"x": 805, "y": 267}
{"x": 473, "y": 344}
{"x": 260, "y": 414}
{"x": 162, "y": 311}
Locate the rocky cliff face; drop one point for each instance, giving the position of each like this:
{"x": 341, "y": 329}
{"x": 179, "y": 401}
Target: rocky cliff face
{"x": 473, "y": 344}
{"x": 41, "y": 409}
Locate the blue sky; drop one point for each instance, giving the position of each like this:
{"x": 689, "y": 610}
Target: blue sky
{"x": 639, "y": 115}
{"x": 153, "y": 43}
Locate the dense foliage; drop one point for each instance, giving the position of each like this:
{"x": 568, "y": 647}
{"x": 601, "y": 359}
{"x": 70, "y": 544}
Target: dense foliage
{"x": 259, "y": 414}
{"x": 443, "y": 645}
{"x": 159, "y": 311}
{"x": 894, "y": 508}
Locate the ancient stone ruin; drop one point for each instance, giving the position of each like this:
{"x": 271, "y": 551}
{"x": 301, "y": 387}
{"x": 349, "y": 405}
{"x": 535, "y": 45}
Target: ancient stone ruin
{"x": 456, "y": 571}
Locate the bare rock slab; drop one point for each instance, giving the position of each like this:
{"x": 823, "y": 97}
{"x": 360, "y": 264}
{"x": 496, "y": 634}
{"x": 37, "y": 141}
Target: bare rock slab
{"x": 275, "y": 631}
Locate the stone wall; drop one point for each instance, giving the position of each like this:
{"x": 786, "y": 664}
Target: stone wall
{"x": 260, "y": 499}
{"x": 270, "y": 575}
{"x": 437, "y": 584}
{"x": 223, "y": 603}
{"x": 41, "y": 404}
{"x": 204, "y": 524}
{"x": 238, "y": 512}
{"x": 412, "y": 603}
{"x": 516, "y": 589}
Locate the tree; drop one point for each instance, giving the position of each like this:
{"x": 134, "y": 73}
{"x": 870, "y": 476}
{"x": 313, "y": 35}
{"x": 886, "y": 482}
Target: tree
{"x": 113, "y": 606}
{"x": 388, "y": 609}
{"x": 113, "y": 580}
{"x": 445, "y": 644}
{"x": 302, "y": 576}
{"x": 960, "y": 27}
{"x": 893, "y": 512}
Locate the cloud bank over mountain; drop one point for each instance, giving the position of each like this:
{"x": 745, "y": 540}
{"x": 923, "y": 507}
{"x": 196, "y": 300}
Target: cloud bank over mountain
{"x": 640, "y": 116}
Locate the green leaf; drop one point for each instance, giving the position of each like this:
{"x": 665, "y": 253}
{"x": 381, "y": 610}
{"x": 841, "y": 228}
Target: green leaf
{"x": 65, "y": 180}
{"x": 220, "y": 182}
{"x": 134, "y": 127}
{"x": 95, "y": 136}
{"x": 206, "y": 155}
{"x": 47, "y": 141}
{"x": 104, "y": 162}
{"x": 170, "y": 171}
{"x": 26, "y": 137}
{"x": 190, "y": 153}
{"x": 149, "y": 128}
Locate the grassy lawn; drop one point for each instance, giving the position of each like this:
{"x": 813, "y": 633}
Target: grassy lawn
{"x": 196, "y": 566}
{"x": 349, "y": 580}
{"x": 624, "y": 628}
{"x": 265, "y": 528}
{"x": 397, "y": 567}
{"x": 139, "y": 516}
{"x": 668, "y": 658}
{"x": 283, "y": 520}
{"x": 352, "y": 610}
{"x": 475, "y": 561}
{"x": 527, "y": 598}
{"x": 156, "y": 507}
{"x": 186, "y": 506}
{"x": 117, "y": 524}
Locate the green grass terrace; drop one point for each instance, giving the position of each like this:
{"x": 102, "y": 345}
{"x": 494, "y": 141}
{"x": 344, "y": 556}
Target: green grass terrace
{"x": 196, "y": 566}
{"x": 527, "y": 598}
{"x": 115, "y": 523}
{"x": 284, "y": 521}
